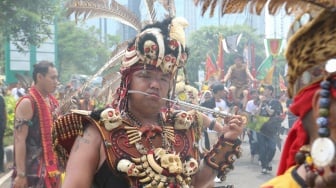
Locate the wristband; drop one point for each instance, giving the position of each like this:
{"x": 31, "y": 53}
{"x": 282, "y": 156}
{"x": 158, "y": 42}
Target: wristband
{"x": 223, "y": 155}
{"x": 21, "y": 174}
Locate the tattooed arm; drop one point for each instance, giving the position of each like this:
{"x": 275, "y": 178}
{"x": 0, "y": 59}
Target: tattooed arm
{"x": 87, "y": 154}
{"x": 23, "y": 115}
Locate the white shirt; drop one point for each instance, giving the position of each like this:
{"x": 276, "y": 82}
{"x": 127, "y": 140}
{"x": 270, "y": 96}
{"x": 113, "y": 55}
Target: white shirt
{"x": 251, "y": 107}
{"x": 15, "y": 92}
{"x": 220, "y": 106}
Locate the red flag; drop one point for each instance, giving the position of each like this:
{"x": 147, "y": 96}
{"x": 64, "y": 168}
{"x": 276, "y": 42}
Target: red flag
{"x": 282, "y": 83}
{"x": 210, "y": 69}
{"x": 219, "y": 62}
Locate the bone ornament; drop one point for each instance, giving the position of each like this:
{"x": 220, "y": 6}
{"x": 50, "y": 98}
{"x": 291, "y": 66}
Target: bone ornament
{"x": 151, "y": 49}
{"x": 156, "y": 166}
{"x": 169, "y": 63}
{"x": 128, "y": 167}
{"x": 183, "y": 120}
{"x": 190, "y": 167}
{"x": 110, "y": 118}
{"x": 169, "y": 161}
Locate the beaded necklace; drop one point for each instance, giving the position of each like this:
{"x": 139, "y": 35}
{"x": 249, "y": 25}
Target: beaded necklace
{"x": 323, "y": 148}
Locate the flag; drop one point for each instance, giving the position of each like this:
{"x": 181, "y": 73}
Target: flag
{"x": 219, "y": 62}
{"x": 282, "y": 83}
{"x": 273, "y": 47}
{"x": 264, "y": 68}
{"x": 269, "y": 76}
{"x": 210, "y": 68}
{"x": 230, "y": 43}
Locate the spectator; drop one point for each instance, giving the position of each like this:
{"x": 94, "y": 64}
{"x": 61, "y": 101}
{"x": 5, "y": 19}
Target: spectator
{"x": 252, "y": 110}
{"x": 269, "y": 132}
{"x": 18, "y": 91}
{"x": 35, "y": 163}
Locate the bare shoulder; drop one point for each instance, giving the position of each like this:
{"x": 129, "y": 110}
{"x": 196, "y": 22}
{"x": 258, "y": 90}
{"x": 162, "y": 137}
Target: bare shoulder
{"x": 84, "y": 159}
{"x": 91, "y": 140}
{"x": 86, "y": 150}
{"x": 24, "y": 109}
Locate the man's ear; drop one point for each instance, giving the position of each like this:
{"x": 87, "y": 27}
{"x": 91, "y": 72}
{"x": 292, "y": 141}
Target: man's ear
{"x": 38, "y": 76}
{"x": 309, "y": 125}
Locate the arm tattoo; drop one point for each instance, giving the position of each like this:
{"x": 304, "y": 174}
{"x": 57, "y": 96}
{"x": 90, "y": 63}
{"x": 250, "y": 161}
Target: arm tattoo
{"x": 82, "y": 139}
{"x": 20, "y": 122}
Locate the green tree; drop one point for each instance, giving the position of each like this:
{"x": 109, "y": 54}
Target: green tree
{"x": 10, "y": 107}
{"x": 205, "y": 41}
{"x": 24, "y": 21}
{"x": 80, "y": 51}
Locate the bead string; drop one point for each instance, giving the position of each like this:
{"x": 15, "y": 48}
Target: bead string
{"x": 324, "y": 104}
{"x": 135, "y": 121}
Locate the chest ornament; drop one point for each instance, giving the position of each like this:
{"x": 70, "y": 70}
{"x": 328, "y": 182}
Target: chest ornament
{"x": 159, "y": 168}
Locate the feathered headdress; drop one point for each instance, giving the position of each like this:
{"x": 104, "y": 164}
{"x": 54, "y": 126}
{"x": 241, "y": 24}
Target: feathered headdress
{"x": 161, "y": 46}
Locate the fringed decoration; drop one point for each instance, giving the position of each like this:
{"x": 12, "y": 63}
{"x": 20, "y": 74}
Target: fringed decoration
{"x": 45, "y": 122}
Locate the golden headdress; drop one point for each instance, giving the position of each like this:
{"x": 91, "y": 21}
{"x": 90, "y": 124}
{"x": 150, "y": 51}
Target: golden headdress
{"x": 310, "y": 48}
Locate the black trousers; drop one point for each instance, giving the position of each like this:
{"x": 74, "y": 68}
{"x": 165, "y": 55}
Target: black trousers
{"x": 2, "y": 132}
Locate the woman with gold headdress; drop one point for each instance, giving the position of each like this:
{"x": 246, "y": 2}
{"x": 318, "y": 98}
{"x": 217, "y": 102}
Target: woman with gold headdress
{"x": 309, "y": 154}
{"x": 142, "y": 141}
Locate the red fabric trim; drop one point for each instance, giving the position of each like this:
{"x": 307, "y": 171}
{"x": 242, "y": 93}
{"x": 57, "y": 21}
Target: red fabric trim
{"x": 46, "y": 121}
{"x": 297, "y": 136}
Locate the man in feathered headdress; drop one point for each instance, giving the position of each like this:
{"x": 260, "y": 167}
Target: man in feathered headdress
{"x": 142, "y": 141}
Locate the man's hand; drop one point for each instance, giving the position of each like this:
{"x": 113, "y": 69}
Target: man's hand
{"x": 234, "y": 128}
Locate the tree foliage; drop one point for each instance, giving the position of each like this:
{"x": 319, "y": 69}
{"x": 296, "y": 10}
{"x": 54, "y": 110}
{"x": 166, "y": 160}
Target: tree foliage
{"x": 10, "y": 107}
{"x": 24, "y": 21}
{"x": 80, "y": 51}
{"x": 205, "y": 41}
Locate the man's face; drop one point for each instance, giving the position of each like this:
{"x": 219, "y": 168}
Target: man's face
{"x": 49, "y": 81}
{"x": 207, "y": 96}
{"x": 153, "y": 82}
{"x": 238, "y": 61}
{"x": 255, "y": 95}
{"x": 267, "y": 92}
{"x": 222, "y": 93}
